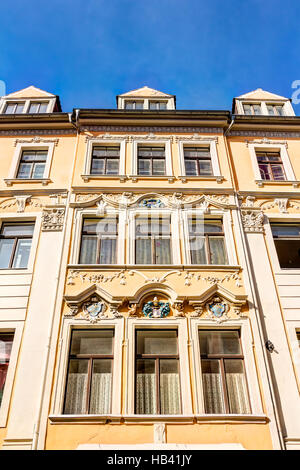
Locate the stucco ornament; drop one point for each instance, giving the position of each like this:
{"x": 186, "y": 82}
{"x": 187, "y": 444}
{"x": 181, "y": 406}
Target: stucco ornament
{"x": 94, "y": 310}
{"x": 53, "y": 220}
{"x": 151, "y": 202}
{"x": 156, "y": 309}
{"x": 253, "y": 221}
{"x": 218, "y": 309}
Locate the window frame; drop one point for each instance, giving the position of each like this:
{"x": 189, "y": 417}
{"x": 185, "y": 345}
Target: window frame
{"x": 15, "y": 243}
{"x": 152, "y": 143}
{"x": 119, "y": 141}
{"x": 99, "y": 240}
{"x": 251, "y": 104}
{"x": 27, "y": 102}
{"x": 33, "y": 164}
{"x": 134, "y": 101}
{"x": 279, "y": 218}
{"x": 270, "y": 165}
{"x": 210, "y": 142}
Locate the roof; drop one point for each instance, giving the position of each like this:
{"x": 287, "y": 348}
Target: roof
{"x": 146, "y": 92}
{"x": 30, "y": 92}
{"x": 260, "y": 94}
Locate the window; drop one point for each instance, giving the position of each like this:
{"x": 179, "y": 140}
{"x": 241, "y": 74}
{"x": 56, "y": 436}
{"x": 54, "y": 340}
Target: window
{"x": 287, "y": 243}
{"x": 89, "y": 380}
{"x": 6, "y": 341}
{"x": 15, "y": 244}
{"x": 223, "y": 376}
{"x": 153, "y": 239}
{"x": 134, "y": 104}
{"x": 298, "y": 337}
{"x": 14, "y": 108}
{"x": 105, "y": 160}
{"x": 157, "y": 372}
{"x": 158, "y": 105}
{"x": 151, "y": 161}
{"x": 252, "y": 109}
{"x": 197, "y": 161}
{"x": 206, "y": 238}
{"x": 275, "y": 109}
{"x": 99, "y": 241}
{"x": 32, "y": 164}
{"x": 270, "y": 166}
{"x": 36, "y": 107}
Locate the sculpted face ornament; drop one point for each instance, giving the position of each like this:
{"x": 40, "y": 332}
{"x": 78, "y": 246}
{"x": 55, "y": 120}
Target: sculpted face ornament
{"x": 218, "y": 309}
{"x": 156, "y": 309}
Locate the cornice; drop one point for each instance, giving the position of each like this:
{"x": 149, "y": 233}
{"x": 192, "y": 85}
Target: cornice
{"x": 187, "y": 129}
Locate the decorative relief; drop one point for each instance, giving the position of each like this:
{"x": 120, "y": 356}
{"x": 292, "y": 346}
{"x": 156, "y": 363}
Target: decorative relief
{"x": 203, "y": 130}
{"x": 152, "y": 202}
{"x": 217, "y": 310}
{"x": 179, "y": 310}
{"x": 36, "y": 140}
{"x": 266, "y": 141}
{"x": 53, "y": 219}
{"x": 253, "y": 221}
{"x": 94, "y": 310}
{"x": 21, "y": 202}
{"x": 156, "y": 308}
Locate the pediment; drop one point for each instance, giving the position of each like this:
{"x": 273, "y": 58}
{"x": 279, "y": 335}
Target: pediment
{"x": 260, "y": 94}
{"x": 146, "y": 92}
{"x": 30, "y": 92}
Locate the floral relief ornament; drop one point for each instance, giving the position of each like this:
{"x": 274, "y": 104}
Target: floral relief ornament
{"x": 53, "y": 219}
{"x": 253, "y": 221}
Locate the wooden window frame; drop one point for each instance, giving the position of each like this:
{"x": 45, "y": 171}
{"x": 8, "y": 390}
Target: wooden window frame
{"x": 151, "y": 158}
{"x": 253, "y": 113}
{"x": 153, "y": 237}
{"x": 16, "y": 239}
{"x": 157, "y": 105}
{"x": 39, "y": 106}
{"x": 7, "y": 362}
{"x": 90, "y": 358}
{"x": 269, "y": 164}
{"x": 206, "y": 235}
{"x": 221, "y": 358}
{"x": 99, "y": 237}
{"x": 157, "y": 358}
{"x": 133, "y": 102}
{"x": 15, "y": 103}
{"x": 198, "y": 159}
{"x": 33, "y": 164}
{"x": 105, "y": 158}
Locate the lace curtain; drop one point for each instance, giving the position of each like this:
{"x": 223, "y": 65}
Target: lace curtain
{"x": 169, "y": 394}
{"x": 213, "y": 395}
{"x": 77, "y": 394}
{"x": 237, "y": 393}
{"x": 145, "y": 394}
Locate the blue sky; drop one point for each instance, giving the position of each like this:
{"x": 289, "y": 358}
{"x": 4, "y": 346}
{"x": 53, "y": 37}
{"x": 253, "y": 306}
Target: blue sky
{"x": 205, "y": 52}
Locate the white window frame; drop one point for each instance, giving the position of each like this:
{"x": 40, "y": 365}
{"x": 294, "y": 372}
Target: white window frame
{"x": 175, "y": 235}
{"x": 27, "y": 102}
{"x": 244, "y": 327}
{"x": 16, "y": 328}
{"x": 80, "y": 214}
{"x": 287, "y": 107}
{"x": 120, "y": 142}
{"x": 184, "y": 371}
{"x": 152, "y": 143}
{"x": 14, "y": 167}
{"x": 225, "y": 218}
{"x": 63, "y": 360}
{"x": 212, "y": 144}
{"x": 270, "y": 147}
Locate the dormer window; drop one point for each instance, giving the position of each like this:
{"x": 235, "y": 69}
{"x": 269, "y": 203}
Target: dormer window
{"x": 134, "y": 104}
{"x": 275, "y": 109}
{"x": 38, "y": 107}
{"x": 158, "y": 105}
{"x": 14, "y": 108}
{"x": 252, "y": 109}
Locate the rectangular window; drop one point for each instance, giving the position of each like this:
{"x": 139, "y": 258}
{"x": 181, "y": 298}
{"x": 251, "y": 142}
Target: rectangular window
{"x": 89, "y": 380}
{"x": 105, "y": 160}
{"x": 275, "y": 110}
{"x": 270, "y": 166}
{"x": 158, "y": 105}
{"x": 134, "y": 104}
{"x": 38, "y": 108}
{"x": 197, "y": 161}
{"x": 6, "y": 341}
{"x": 15, "y": 244}
{"x": 223, "y": 376}
{"x": 151, "y": 161}
{"x": 207, "y": 243}
{"x": 14, "y": 108}
{"x": 99, "y": 241}
{"x": 157, "y": 372}
{"x": 252, "y": 109}
{"x": 153, "y": 240}
{"x": 287, "y": 242}
{"x": 32, "y": 164}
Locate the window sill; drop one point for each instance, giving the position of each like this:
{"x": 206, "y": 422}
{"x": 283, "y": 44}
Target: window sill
{"x": 262, "y": 183}
{"x": 135, "y": 178}
{"x": 186, "y": 178}
{"x": 189, "y": 267}
{"x": 232, "y": 418}
{"x": 11, "y": 181}
{"x": 82, "y": 419}
{"x": 87, "y": 178}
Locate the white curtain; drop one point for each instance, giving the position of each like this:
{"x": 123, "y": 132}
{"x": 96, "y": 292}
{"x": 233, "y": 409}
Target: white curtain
{"x": 213, "y": 393}
{"x": 100, "y": 394}
{"x": 170, "y": 393}
{"x": 76, "y": 394}
{"x": 145, "y": 394}
{"x": 237, "y": 393}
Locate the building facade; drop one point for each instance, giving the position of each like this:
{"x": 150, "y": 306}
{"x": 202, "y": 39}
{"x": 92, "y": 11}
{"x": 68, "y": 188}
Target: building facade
{"x": 150, "y": 267}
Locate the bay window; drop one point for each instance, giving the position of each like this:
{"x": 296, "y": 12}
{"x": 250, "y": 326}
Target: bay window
{"x": 153, "y": 239}
{"x": 99, "y": 240}
{"x": 206, "y": 241}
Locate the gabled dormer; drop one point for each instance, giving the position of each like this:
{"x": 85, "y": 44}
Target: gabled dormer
{"x": 146, "y": 98}
{"x": 30, "y": 100}
{"x": 262, "y": 103}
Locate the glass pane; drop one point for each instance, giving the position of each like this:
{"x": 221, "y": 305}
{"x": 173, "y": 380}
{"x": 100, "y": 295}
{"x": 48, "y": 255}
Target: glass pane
{"x": 158, "y": 167}
{"x": 219, "y": 342}
{"x": 247, "y": 109}
{"x": 153, "y": 105}
{"x": 205, "y": 168}
{"x": 19, "y": 108}
{"x": 112, "y": 166}
{"x": 279, "y": 110}
{"x": 162, "y": 105}
{"x": 99, "y": 151}
{"x": 6, "y": 341}
{"x": 10, "y": 108}
{"x": 6, "y": 247}
{"x": 191, "y": 168}
{"x": 43, "y": 107}
{"x": 217, "y": 250}
{"x": 143, "y": 251}
{"x": 212, "y": 387}
{"x": 38, "y": 170}
{"x": 144, "y": 167}
{"x": 288, "y": 252}
{"x": 197, "y": 249}
{"x": 22, "y": 253}
{"x": 129, "y": 104}
{"x": 271, "y": 110}
{"x": 24, "y": 170}
{"x": 34, "y": 107}
{"x": 139, "y": 105}
{"x": 77, "y": 383}
{"x": 92, "y": 342}
{"x": 88, "y": 250}
{"x": 236, "y": 386}
{"x": 157, "y": 342}
{"x": 97, "y": 166}
{"x": 102, "y": 225}
{"x": 17, "y": 230}
{"x": 264, "y": 171}
{"x": 108, "y": 251}
{"x": 101, "y": 386}
{"x": 257, "y": 109}
{"x": 145, "y": 393}
{"x": 170, "y": 402}
{"x": 213, "y": 226}
{"x": 286, "y": 230}
{"x": 163, "y": 251}
{"x": 278, "y": 173}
